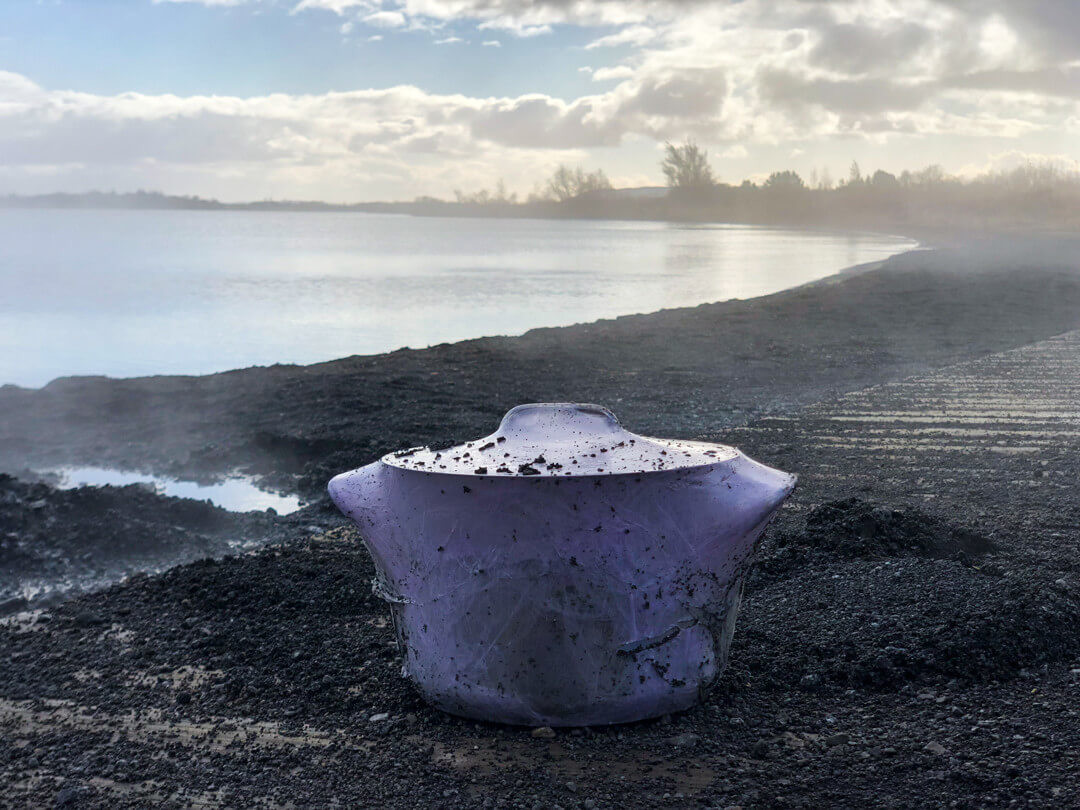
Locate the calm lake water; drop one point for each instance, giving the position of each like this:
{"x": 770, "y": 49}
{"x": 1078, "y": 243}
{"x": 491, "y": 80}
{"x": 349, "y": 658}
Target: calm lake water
{"x": 238, "y": 494}
{"x": 127, "y": 293}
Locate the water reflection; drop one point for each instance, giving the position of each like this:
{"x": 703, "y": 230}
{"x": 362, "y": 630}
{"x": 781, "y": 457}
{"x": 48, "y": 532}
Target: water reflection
{"x": 235, "y": 494}
{"x": 125, "y": 293}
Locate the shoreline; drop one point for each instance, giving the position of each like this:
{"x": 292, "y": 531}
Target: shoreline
{"x": 374, "y": 306}
{"x": 910, "y": 635}
{"x": 843, "y": 272}
{"x": 808, "y": 208}
{"x": 289, "y": 424}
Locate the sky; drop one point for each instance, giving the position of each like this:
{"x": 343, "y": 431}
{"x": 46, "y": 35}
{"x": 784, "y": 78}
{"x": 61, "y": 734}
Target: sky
{"x": 350, "y": 100}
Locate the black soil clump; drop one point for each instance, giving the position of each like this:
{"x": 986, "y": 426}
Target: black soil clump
{"x": 291, "y": 631}
{"x": 883, "y": 624}
{"x": 83, "y": 537}
{"x": 292, "y": 636}
{"x": 856, "y": 528}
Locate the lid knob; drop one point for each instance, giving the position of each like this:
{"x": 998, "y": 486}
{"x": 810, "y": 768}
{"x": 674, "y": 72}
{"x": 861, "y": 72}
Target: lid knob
{"x": 558, "y": 422}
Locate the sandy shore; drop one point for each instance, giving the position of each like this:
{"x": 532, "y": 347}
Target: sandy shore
{"x": 909, "y": 639}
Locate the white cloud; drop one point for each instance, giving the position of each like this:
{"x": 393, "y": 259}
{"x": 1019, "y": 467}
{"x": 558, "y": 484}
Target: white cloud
{"x": 416, "y": 142}
{"x": 608, "y": 73}
{"x": 386, "y": 19}
{"x": 209, "y": 2}
{"x": 522, "y": 17}
{"x": 375, "y": 38}
{"x": 912, "y": 74}
{"x": 336, "y": 6}
{"x": 15, "y": 88}
{"x": 633, "y": 35}
{"x": 522, "y": 31}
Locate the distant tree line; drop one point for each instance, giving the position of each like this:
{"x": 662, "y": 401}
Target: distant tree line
{"x": 1033, "y": 196}
{"x": 565, "y": 183}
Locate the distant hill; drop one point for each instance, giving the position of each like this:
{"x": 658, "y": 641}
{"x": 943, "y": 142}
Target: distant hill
{"x": 155, "y": 200}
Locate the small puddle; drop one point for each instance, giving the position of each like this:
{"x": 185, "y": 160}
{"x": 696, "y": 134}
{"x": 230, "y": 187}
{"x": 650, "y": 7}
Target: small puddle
{"x": 235, "y": 494}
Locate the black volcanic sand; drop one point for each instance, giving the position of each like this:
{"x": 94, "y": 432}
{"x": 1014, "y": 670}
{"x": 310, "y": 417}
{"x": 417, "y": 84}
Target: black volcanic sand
{"x": 892, "y": 651}
{"x": 61, "y": 542}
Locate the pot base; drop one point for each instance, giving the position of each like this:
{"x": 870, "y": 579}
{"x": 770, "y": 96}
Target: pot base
{"x": 532, "y": 669}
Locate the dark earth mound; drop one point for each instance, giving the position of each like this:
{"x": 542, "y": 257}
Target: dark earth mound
{"x": 854, "y": 527}
{"x": 53, "y": 541}
{"x": 293, "y": 638}
{"x": 882, "y": 624}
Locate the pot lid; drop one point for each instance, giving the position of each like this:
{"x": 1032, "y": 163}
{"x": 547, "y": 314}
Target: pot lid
{"x": 556, "y": 439}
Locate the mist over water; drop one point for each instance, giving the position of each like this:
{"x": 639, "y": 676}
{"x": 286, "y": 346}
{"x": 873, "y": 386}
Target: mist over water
{"x": 129, "y": 293}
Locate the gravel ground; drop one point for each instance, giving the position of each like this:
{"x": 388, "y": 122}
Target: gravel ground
{"x": 56, "y": 544}
{"x": 910, "y": 638}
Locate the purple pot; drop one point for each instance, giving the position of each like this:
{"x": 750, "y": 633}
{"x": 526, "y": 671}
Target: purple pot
{"x": 563, "y": 571}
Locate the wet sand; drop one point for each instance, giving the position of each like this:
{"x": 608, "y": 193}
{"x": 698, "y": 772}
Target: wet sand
{"x": 910, "y": 637}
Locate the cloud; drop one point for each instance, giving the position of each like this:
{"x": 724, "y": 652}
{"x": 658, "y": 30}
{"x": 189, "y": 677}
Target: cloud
{"x": 1060, "y": 81}
{"x": 277, "y": 135}
{"x": 15, "y": 89}
{"x": 541, "y": 122}
{"x": 688, "y": 96}
{"x": 209, "y": 2}
{"x": 386, "y": 19}
{"x": 847, "y": 96}
{"x": 633, "y": 35}
{"x": 400, "y": 141}
{"x": 857, "y": 48}
{"x": 336, "y": 6}
{"x": 1051, "y": 26}
{"x": 521, "y": 17}
{"x": 608, "y": 73}
{"x": 522, "y": 31}
{"x": 808, "y": 74}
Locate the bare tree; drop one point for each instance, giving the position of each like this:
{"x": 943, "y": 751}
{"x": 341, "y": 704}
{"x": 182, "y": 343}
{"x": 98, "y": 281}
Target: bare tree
{"x": 500, "y": 196}
{"x": 567, "y": 183}
{"x": 687, "y": 166}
